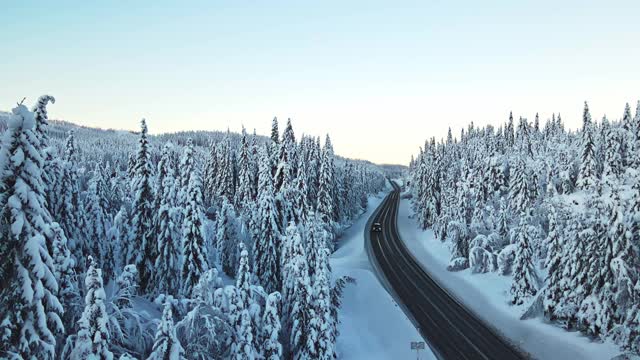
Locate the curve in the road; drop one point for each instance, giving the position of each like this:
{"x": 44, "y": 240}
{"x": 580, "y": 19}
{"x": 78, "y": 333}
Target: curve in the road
{"x": 451, "y": 330}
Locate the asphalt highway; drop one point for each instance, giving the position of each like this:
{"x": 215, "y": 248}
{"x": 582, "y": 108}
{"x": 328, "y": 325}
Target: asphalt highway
{"x": 451, "y": 330}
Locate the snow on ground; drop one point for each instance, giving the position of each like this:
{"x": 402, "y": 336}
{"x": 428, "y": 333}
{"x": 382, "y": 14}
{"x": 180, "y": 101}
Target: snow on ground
{"x": 485, "y": 294}
{"x": 372, "y": 325}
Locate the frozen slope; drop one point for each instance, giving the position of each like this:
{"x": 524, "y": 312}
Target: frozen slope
{"x": 372, "y": 325}
{"x": 485, "y": 294}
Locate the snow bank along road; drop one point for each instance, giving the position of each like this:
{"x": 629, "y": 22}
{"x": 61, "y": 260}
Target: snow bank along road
{"x": 450, "y": 329}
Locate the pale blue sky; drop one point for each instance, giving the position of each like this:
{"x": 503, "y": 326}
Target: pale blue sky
{"x": 380, "y": 77}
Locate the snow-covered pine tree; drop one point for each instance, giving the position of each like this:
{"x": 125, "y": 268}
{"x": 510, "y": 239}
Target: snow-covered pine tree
{"x": 636, "y": 137}
{"x": 301, "y": 310}
{"x": 98, "y": 223}
{"x": 254, "y": 157}
{"x": 92, "y": 341}
{"x": 266, "y": 250}
{"x": 244, "y": 194}
{"x": 575, "y": 272}
{"x": 287, "y": 155}
{"x": 325, "y": 199}
{"x": 596, "y": 311}
{"x": 42, "y": 119}
{"x": 41, "y": 128}
{"x": 275, "y": 133}
{"x": 293, "y": 198}
{"x": 142, "y": 250}
{"x": 502, "y": 228}
{"x": 128, "y": 286}
{"x": 628, "y": 136}
{"x": 315, "y": 241}
{"x": 166, "y": 345}
{"x": 211, "y": 175}
{"x": 120, "y": 236}
{"x": 519, "y": 187}
{"x": 613, "y": 161}
{"x": 165, "y": 170}
{"x": 271, "y": 347}
{"x": 328, "y": 148}
{"x": 554, "y": 242}
{"x": 321, "y": 325}
{"x": 131, "y": 167}
{"x": 167, "y": 264}
{"x": 587, "y": 176}
{"x": 186, "y": 169}
{"x": 30, "y": 315}
{"x": 525, "y": 278}
{"x": 66, "y": 208}
{"x": 313, "y": 170}
{"x": 618, "y": 273}
{"x": 227, "y": 238}
{"x": 243, "y": 278}
{"x": 510, "y": 134}
{"x": 225, "y": 179}
{"x": 194, "y": 259}
{"x": 68, "y": 292}
{"x": 242, "y": 347}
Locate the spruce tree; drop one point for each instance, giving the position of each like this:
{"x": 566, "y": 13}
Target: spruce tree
{"x": 142, "y": 251}
{"x": 68, "y": 292}
{"x": 510, "y": 136}
{"x": 211, "y": 175}
{"x": 50, "y": 166}
{"x": 613, "y": 165}
{"x": 242, "y": 347}
{"x": 519, "y": 187}
{"x": 628, "y": 136}
{"x": 554, "y": 241}
{"x": 286, "y": 162}
{"x": 166, "y": 345}
{"x": 227, "y": 238}
{"x": 271, "y": 347}
{"x": 275, "y": 134}
{"x": 588, "y": 166}
{"x": 525, "y": 278}
{"x": 244, "y": 195}
{"x": 301, "y": 311}
{"x": 30, "y": 309}
{"x": 165, "y": 170}
{"x": 325, "y": 204}
{"x": 320, "y": 335}
{"x": 316, "y": 242}
{"x": 636, "y": 136}
{"x": 299, "y": 201}
{"x": 93, "y": 337}
{"x": 267, "y": 245}
{"x": 225, "y": 185}
{"x": 186, "y": 169}
{"x": 98, "y": 223}
{"x": 167, "y": 264}
{"x": 128, "y": 283}
{"x": 243, "y": 278}
{"x": 66, "y": 208}
{"x": 120, "y": 236}
{"x": 194, "y": 259}
{"x": 575, "y": 273}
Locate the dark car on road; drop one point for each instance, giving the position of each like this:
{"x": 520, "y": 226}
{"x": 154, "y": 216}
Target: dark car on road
{"x": 377, "y": 227}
